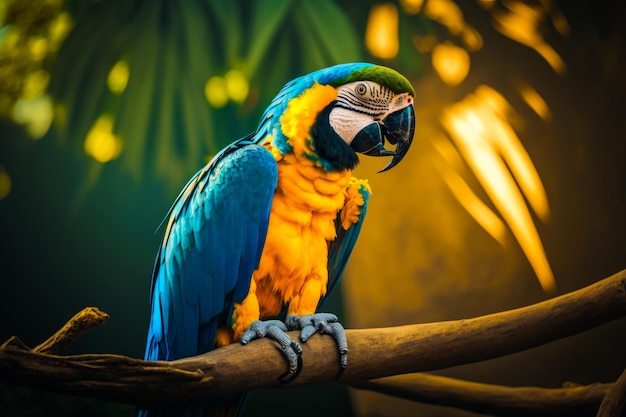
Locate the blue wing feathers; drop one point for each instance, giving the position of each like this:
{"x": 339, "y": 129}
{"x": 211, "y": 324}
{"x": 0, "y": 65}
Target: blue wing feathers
{"x": 156, "y": 330}
{"x": 213, "y": 243}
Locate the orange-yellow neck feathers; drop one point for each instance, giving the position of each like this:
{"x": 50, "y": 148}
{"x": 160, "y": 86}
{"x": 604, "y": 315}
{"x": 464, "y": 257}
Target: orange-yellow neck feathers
{"x": 300, "y": 116}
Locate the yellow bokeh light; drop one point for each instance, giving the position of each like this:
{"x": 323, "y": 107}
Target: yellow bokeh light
{"x": 101, "y": 143}
{"x": 483, "y": 134}
{"x": 216, "y": 92}
{"x": 35, "y": 83}
{"x": 118, "y": 77}
{"x": 5, "y": 183}
{"x": 381, "y": 33}
{"x": 237, "y": 86}
{"x": 411, "y": 6}
{"x": 447, "y": 13}
{"x": 483, "y": 215}
{"x": 471, "y": 38}
{"x": 59, "y": 28}
{"x": 29, "y": 39}
{"x": 451, "y": 62}
{"x": 510, "y": 147}
{"x": 535, "y": 101}
{"x": 39, "y": 48}
{"x": 521, "y": 23}
{"x": 560, "y": 22}
{"x": 34, "y": 113}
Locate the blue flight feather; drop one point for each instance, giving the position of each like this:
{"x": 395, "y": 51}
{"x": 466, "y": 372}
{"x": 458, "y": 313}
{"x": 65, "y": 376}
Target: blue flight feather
{"x": 191, "y": 280}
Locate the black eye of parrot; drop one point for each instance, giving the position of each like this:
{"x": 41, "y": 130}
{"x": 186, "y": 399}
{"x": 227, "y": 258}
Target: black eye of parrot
{"x": 361, "y": 89}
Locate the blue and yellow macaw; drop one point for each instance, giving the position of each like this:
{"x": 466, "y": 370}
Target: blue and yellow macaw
{"x": 265, "y": 229}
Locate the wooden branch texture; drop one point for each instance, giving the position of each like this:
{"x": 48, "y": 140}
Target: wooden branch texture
{"x": 615, "y": 399}
{"x": 491, "y": 399}
{"x": 77, "y": 326}
{"x": 374, "y": 353}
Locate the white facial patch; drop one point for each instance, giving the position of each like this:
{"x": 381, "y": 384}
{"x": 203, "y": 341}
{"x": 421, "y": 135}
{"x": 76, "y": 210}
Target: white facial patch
{"x": 348, "y": 123}
{"x": 361, "y": 103}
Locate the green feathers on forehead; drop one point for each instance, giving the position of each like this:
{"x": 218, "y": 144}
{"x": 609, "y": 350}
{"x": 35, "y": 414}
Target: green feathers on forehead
{"x": 384, "y": 76}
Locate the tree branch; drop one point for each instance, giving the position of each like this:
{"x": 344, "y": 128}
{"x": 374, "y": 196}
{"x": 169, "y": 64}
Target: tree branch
{"x": 615, "y": 399}
{"x": 77, "y": 326}
{"x": 491, "y": 399}
{"x": 374, "y": 353}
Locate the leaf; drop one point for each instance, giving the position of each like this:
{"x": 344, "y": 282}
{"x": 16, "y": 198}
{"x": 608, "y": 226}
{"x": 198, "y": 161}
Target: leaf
{"x": 310, "y": 50}
{"x": 227, "y": 22}
{"x": 135, "y": 113}
{"x": 267, "y": 18}
{"x": 198, "y": 46}
{"x": 79, "y": 75}
{"x": 334, "y": 30}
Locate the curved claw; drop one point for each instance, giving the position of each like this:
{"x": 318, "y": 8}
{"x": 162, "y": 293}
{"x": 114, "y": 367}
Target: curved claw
{"x": 327, "y": 323}
{"x": 275, "y": 330}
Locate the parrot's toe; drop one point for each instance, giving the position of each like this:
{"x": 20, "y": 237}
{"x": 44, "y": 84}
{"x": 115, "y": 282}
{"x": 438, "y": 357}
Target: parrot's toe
{"x": 327, "y": 323}
{"x": 275, "y": 330}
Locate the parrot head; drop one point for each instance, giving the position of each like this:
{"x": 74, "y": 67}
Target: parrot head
{"x": 334, "y": 113}
{"x": 367, "y": 113}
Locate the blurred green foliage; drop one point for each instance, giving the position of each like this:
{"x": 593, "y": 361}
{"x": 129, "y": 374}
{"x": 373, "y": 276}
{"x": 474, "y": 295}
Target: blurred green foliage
{"x": 152, "y": 81}
{"x": 167, "y": 126}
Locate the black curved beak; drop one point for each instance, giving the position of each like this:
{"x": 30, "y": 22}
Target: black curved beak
{"x": 397, "y": 127}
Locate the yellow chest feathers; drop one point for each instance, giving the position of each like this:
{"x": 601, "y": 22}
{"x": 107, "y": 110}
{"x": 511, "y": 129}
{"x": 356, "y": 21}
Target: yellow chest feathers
{"x": 309, "y": 197}
{"x": 302, "y": 222}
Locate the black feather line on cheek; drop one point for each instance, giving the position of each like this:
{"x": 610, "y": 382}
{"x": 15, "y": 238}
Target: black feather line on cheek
{"x": 329, "y": 146}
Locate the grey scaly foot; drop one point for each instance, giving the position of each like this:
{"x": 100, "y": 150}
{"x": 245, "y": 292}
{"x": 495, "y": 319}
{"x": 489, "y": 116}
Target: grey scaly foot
{"x": 275, "y": 330}
{"x": 326, "y": 323}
